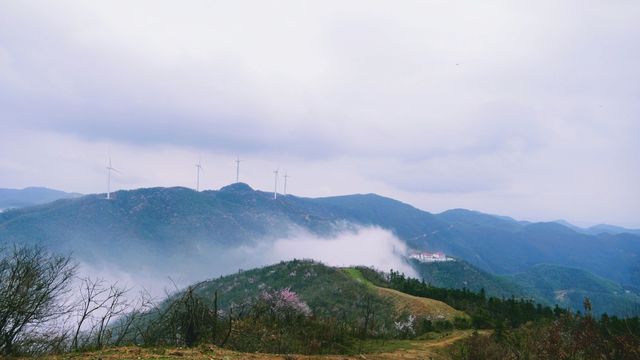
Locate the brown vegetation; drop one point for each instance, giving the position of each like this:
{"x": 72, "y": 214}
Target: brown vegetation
{"x": 433, "y": 310}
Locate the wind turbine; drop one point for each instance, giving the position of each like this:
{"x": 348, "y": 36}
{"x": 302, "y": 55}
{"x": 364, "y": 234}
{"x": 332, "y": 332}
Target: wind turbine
{"x": 275, "y": 189}
{"x": 238, "y": 169}
{"x": 109, "y": 169}
{"x": 198, "y": 167}
{"x": 286, "y": 176}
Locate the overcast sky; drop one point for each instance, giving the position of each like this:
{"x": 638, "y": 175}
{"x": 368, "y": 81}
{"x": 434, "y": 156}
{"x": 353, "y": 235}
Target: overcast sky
{"x": 523, "y": 108}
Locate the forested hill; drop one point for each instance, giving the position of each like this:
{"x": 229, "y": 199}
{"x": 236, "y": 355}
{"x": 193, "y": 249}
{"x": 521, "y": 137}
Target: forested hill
{"x": 297, "y": 306}
{"x": 181, "y": 221}
{"x": 544, "y": 283}
{"x": 329, "y": 291}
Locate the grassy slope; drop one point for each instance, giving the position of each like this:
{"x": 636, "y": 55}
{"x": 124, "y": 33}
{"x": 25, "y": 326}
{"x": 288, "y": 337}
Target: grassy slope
{"x": 421, "y": 307}
{"x": 418, "y": 306}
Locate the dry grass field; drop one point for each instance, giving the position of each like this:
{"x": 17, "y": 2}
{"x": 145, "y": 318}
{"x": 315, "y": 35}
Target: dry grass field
{"x": 421, "y": 307}
{"x": 417, "y": 306}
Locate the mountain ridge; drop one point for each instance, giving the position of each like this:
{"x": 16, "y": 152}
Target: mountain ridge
{"x": 179, "y": 226}
{"x": 599, "y": 229}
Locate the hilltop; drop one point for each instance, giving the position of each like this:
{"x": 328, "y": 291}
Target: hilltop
{"x": 298, "y": 305}
{"x": 319, "y": 285}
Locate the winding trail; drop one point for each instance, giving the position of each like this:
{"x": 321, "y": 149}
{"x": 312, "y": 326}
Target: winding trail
{"x": 414, "y": 349}
{"x": 425, "y": 349}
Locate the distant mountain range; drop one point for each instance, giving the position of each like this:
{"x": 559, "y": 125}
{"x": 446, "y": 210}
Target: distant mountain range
{"x": 153, "y": 227}
{"x": 16, "y": 198}
{"x": 599, "y": 229}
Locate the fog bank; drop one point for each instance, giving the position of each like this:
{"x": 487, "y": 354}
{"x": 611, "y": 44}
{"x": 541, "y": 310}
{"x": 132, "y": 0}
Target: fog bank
{"x": 165, "y": 271}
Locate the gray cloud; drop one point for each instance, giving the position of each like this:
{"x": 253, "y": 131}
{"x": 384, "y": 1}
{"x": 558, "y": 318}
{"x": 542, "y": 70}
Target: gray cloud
{"x": 497, "y": 100}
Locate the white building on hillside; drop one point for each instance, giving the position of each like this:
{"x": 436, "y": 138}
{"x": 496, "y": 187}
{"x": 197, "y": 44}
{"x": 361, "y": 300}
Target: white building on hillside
{"x": 430, "y": 257}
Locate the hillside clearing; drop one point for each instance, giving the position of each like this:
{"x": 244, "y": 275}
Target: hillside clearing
{"x": 419, "y": 306}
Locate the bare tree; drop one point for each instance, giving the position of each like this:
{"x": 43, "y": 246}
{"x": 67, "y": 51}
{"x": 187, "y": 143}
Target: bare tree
{"x": 115, "y": 306}
{"x": 145, "y": 324}
{"x": 89, "y": 302}
{"x": 98, "y": 305}
{"x": 32, "y": 285}
{"x": 139, "y": 309}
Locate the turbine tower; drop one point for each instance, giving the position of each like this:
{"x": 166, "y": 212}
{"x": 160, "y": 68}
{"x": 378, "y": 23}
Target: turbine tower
{"x": 286, "y": 176}
{"x": 275, "y": 189}
{"x": 109, "y": 169}
{"x": 198, "y": 167}
{"x": 238, "y": 169}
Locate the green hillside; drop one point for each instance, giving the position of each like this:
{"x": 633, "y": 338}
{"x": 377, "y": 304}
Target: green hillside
{"x": 567, "y": 287}
{"x": 460, "y": 274}
{"x": 546, "y": 284}
{"x": 329, "y": 291}
{"x": 291, "y": 305}
{"x": 504, "y": 246}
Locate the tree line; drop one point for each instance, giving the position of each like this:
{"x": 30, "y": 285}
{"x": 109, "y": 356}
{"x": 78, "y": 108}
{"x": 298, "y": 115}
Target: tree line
{"x": 523, "y": 329}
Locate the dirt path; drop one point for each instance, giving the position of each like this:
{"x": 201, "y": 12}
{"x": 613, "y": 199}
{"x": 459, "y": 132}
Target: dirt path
{"x": 418, "y": 349}
{"x": 425, "y": 349}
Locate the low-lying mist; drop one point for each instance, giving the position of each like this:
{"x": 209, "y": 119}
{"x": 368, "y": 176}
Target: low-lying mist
{"x": 369, "y": 246}
{"x": 161, "y": 273}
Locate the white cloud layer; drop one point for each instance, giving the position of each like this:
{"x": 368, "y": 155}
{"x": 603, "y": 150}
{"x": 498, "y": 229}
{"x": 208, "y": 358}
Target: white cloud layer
{"x": 364, "y": 246}
{"x": 357, "y": 246}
